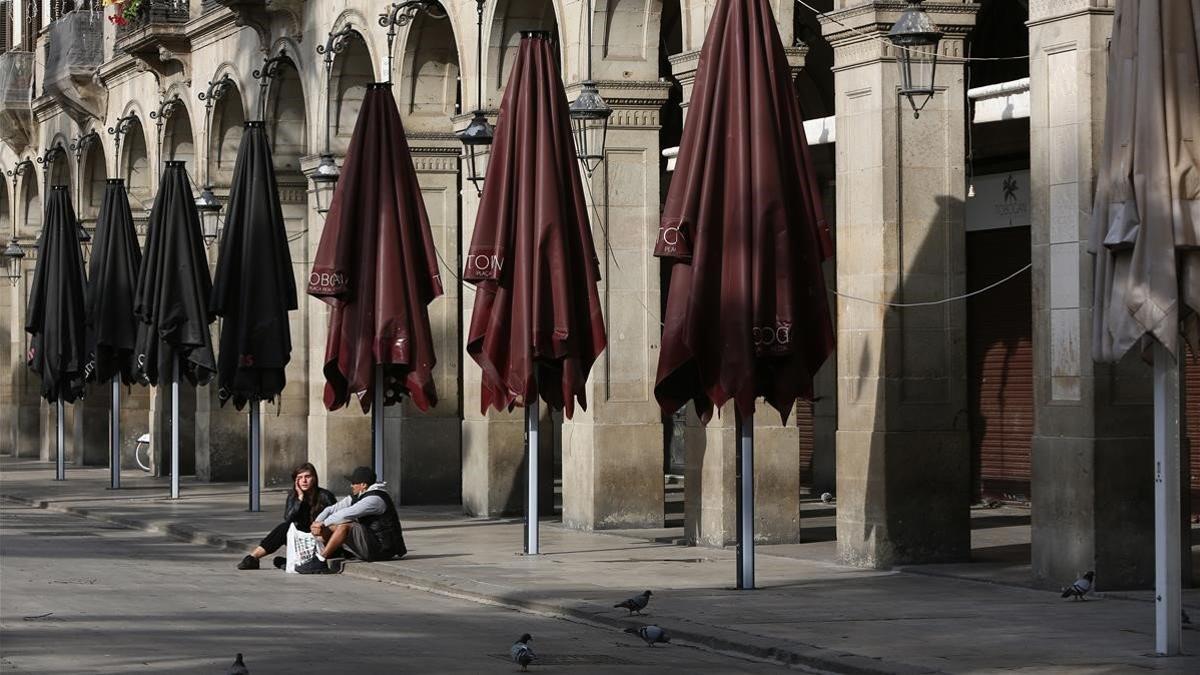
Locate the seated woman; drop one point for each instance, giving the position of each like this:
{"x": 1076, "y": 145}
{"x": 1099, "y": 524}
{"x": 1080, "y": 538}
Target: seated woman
{"x": 306, "y": 499}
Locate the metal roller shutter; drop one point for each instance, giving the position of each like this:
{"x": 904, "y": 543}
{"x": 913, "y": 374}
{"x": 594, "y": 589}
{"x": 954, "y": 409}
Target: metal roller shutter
{"x": 1000, "y": 364}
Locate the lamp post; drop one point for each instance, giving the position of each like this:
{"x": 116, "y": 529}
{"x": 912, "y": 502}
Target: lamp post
{"x": 589, "y": 114}
{"x": 478, "y": 135}
{"x": 916, "y": 39}
{"x": 78, "y": 147}
{"x": 14, "y": 253}
{"x": 325, "y": 177}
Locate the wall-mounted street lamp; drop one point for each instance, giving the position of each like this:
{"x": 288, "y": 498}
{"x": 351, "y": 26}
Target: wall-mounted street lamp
{"x": 48, "y": 158}
{"x": 589, "y": 114}
{"x": 264, "y": 75}
{"x": 478, "y": 135}
{"x": 210, "y": 214}
{"x": 118, "y": 132}
{"x": 14, "y": 254}
{"x": 325, "y": 178}
{"x": 166, "y": 108}
{"x": 402, "y": 14}
{"x": 916, "y": 40}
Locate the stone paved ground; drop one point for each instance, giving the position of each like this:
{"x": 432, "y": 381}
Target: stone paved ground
{"x": 808, "y": 610}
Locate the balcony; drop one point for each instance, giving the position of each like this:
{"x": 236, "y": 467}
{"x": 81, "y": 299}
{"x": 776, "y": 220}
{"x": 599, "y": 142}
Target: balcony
{"x": 157, "y": 38}
{"x": 74, "y": 51}
{"x": 259, "y": 14}
{"x": 16, "y": 99}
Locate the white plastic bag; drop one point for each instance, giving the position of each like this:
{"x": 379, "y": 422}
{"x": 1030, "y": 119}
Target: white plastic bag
{"x": 300, "y": 547}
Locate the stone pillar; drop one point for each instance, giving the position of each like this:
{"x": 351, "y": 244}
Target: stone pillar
{"x": 493, "y": 445}
{"x": 903, "y": 457}
{"x": 26, "y": 430}
{"x": 284, "y": 422}
{"x": 160, "y": 428}
{"x": 341, "y": 440}
{"x": 424, "y": 458}
{"x": 221, "y": 432}
{"x": 90, "y": 430}
{"x": 1092, "y": 462}
{"x": 612, "y": 453}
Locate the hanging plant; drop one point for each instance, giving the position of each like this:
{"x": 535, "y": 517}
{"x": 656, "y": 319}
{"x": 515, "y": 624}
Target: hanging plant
{"x": 123, "y": 10}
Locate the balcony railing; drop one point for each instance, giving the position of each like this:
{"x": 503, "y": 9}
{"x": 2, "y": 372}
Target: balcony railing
{"x": 155, "y": 12}
{"x": 74, "y": 51}
{"x": 16, "y": 98}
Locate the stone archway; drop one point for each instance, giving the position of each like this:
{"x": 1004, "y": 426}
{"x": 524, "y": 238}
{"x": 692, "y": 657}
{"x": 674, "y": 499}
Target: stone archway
{"x": 352, "y": 72}
{"x": 226, "y": 121}
{"x": 177, "y": 141}
{"x": 509, "y": 19}
{"x": 91, "y": 183}
{"x": 134, "y": 167}
{"x": 285, "y": 438}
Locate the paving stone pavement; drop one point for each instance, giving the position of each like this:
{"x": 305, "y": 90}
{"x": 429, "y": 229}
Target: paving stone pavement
{"x": 808, "y": 610}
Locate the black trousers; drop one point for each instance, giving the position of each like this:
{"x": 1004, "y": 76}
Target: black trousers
{"x": 275, "y": 538}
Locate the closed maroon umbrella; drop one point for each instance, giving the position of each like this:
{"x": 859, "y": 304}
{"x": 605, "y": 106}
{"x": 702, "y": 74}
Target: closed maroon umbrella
{"x": 536, "y": 328}
{"x": 376, "y": 266}
{"x": 743, "y": 232}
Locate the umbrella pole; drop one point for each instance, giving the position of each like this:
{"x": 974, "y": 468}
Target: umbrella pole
{"x": 377, "y": 422}
{"x": 531, "y": 482}
{"x": 175, "y": 427}
{"x": 745, "y": 501}
{"x": 114, "y": 435}
{"x": 255, "y": 456}
{"x": 60, "y": 464}
{"x": 1167, "y": 566}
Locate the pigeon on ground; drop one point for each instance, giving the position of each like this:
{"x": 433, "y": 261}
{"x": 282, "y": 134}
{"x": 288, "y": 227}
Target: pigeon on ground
{"x": 651, "y": 634}
{"x": 827, "y": 498}
{"x": 637, "y": 603}
{"x": 522, "y": 654}
{"x": 239, "y": 666}
{"x": 1081, "y": 587}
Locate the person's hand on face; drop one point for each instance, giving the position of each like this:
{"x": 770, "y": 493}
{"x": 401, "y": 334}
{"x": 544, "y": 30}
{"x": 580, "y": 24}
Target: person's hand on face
{"x": 304, "y": 483}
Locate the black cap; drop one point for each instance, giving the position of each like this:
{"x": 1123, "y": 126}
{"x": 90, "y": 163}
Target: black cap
{"x": 363, "y": 474}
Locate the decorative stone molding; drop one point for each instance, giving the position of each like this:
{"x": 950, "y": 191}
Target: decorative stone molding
{"x": 1042, "y": 11}
{"x": 844, "y": 30}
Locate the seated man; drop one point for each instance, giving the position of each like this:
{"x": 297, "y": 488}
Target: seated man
{"x": 365, "y": 524}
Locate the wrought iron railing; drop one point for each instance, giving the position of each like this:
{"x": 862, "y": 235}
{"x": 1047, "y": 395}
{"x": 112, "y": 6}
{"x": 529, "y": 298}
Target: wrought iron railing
{"x": 154, "y": 12}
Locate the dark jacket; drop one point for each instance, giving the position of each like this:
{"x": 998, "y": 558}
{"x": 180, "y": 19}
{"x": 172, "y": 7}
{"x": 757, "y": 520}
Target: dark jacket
{"x": 385, "y": 527}
{"x": 297, "y": 512}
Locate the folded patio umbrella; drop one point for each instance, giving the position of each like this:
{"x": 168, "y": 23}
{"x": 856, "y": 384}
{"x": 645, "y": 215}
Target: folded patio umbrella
{"x": 377, "y": 268}
{"x": 173, "y": 287}
{"x": 55, "y": 316}
{"x": 253, "y": 287}
{"x": 112, "y": 280}
{"x": 171, "y": 298}
{"x": 112, "y": 326}
{"x": 746, "y": 312}
{"x": 537, "y": 325}
{"x": 253, "y": 291}
{"x": 1146, "y": 241}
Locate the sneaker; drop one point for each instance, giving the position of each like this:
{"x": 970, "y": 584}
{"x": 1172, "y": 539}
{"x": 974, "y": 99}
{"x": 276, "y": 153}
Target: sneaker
{"x": 313, "y": 565}
{"x": 280, "y": 562}
{"x": 248, "y": 563}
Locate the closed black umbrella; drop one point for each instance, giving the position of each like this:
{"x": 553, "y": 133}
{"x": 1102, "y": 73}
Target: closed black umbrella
{"x": 253, "y": 290}
{"x": 55, "y": 318}
{"x": 171, "y": 302}
{"x": 112, "y": 326}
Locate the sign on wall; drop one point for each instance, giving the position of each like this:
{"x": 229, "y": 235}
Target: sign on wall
{"x": 1001, "y": 200}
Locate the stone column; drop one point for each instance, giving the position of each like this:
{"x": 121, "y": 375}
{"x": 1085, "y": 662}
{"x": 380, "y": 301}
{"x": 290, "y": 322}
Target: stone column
{"x": 340, "y": 440}
{"x": 903, "y": 456}
{"x": 710, "y": 488}
{"x": 160, "y": 428}
{"x": 426, "y": 463}
{"x": 612, "y": 453}
{"x": 284, "y": 422}
{"x": 493, "y": 444}
{"x": 26, "y": 430}
{"x": 1092, "y": 457}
